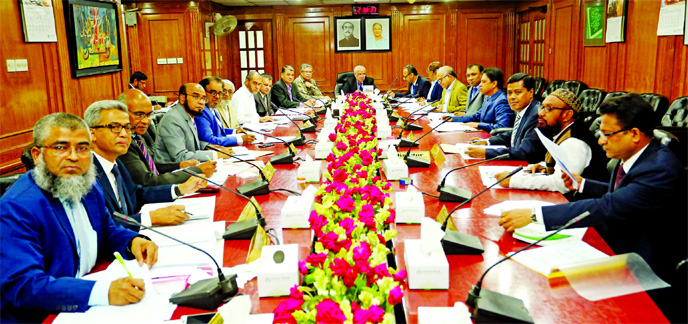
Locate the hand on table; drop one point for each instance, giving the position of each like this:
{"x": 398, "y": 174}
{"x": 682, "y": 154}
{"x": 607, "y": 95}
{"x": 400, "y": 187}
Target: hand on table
{"x": 170, "y": 215}
{"x": 459, "y": 113}
{"x": 266, "y": 119}
{"x": 476, "y": 152}
{"x": 192, "y": 185}
{"x": 145, "y": 251}
{"x": 502, "y": 175}
{"x": 472, "y": 124}
{"x": 477, "y": 141}
{"x": 514, "y": 219}
{"x": 125, "y": 291}
{"x": 208, "y": 168}
{"x": 248, "y": 138}
{"x": 188, "y": 163}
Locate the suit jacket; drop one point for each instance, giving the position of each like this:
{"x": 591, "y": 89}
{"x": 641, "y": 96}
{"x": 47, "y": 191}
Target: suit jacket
{"x": 527, "y": 145}
{"x": 141, "y": 173}
{"x": 39, "y": 254}
{"x": 422, "y": 88}
{"x": 435, "y": 92}
{"x": 263, "y": 108}
{"x": 351, "y": 84}
{"x": 646, "y": 214}
{"x": 135, "y": 195}
{"x": 280, "y": 96}
{"x": 349, "y": 42}
{"x": 495, "y": 113}
{"x": 474, "y": 104}
{"x": 228, "y": 115}
{"x": 178, "y": 139}
{"x": 211, "y": 131}
{"x": 457, "y": 98}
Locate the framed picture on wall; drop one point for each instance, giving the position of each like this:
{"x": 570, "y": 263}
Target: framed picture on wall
{"x": 347, "y": 34}
{"x": 93, "y": 37}
{"x": 617, "y": 13}
{"x": 378, "y": 33}
{"x": 594, "y": 23}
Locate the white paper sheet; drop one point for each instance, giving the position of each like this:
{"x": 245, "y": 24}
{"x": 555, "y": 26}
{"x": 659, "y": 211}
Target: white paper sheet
{"x": 190, "y": 232}
{"x": 462, "y": 147}
{"x": 202, "y": 208}
{"x": 560, "y": 155}
{"x": 488, "y": 173}
{"x": 543, "y": 259}
{"x": 451, "y": 127}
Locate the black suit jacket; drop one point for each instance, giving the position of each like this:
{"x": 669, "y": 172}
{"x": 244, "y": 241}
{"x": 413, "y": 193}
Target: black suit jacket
{"x": 260, "y": 105}
{"x": 141, "y": 173}
{"x": 527, "y": 145}
{"x": 280, "y": 95}
{"x": 422, "y": 88}
{"x": 135, "y": 195}
{"x": 351, "y": 85}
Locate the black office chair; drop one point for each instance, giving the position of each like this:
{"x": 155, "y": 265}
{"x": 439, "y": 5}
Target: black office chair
{"x": 659, "y": 103}
{"x": 574, "y": 86}
{"x": 677, "y": 114}
{"x": 539, "y": 87}
{"x": 341, "y": 79}
{"x": 590, "y": 101}
{"x": 8, "y": 180}
{"x": 614, "y": 94}
{"x": 554, "y": 85}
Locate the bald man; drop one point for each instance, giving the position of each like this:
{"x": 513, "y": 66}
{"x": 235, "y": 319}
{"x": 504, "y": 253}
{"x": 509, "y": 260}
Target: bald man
{"x": 139, "y": 159}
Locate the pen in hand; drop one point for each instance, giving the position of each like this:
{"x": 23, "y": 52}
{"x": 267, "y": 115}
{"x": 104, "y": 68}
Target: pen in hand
{"x": 121, "y": 261}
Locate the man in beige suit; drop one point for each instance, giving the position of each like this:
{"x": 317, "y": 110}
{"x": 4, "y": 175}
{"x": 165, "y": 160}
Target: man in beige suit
{"x": 228, "y": 114}
{"x": 454, "y": 94}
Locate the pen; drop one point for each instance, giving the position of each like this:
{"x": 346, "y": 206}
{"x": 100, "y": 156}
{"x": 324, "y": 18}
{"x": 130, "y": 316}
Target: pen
{"x": 121, "y": 261}
{"x": 475, "y": 141}
{"x": 186, "y": 212}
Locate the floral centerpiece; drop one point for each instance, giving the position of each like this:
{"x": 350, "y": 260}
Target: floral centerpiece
{"x": 347, "y": 279}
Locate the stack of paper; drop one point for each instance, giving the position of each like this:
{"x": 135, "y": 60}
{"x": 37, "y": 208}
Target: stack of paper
{"x": 199, "y": 208}
{"x": 542, "y": 260}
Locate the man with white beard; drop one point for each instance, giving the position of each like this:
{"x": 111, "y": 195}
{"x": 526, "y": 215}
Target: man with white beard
{"x": 54, "y": 227}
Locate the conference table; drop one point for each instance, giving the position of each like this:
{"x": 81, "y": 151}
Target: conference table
{"x": 546, "y": 304}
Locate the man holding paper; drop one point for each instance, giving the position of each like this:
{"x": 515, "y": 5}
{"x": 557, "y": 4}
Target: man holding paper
{"x": 558, "y": 119}
{"x": 54, "y": 227}
{"x": 642, "y": 208}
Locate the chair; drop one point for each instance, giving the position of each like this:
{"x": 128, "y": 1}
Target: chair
{"x": 341, "y": 79}
{"x": 614, "y": 94}
{"x": 590, "y": 101}
{"x": 670, "y": 140}
{"x": 574, "y": 86}
{"x": 554, "y": 85}
{"x": 676, "y": 115}
{"x": 659, "y": 104}
{"x": 539, "y": 87}
{"x": 8, "y": 180}
{"x": 593, "y": 122}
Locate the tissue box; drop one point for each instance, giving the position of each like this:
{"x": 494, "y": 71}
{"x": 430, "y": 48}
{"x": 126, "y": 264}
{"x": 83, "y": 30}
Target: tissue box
{"x": 394, "y": 169}
{"x": 275, "y": 279}
{"x": 323, "y": 149}
{"x": 295, "y": 214}
{"x": 330, "y": 123}
{"x": 410, "y": 207}
{"x": 384, "y": 131}
{"x": 310, "y": 170}
{"x": 429, "y": 271}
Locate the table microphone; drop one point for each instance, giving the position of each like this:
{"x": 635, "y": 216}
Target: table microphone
{"x": 298, "y": 141}
{"x": 455, "y": 194}
{"x": 284, "y": 158}
{"x": 324, "y": 107}
{"x": 253, "y": 188}
{"x": 206, "y": 294}
{"x": 490, "y": 306}
{"x": 241, "y": 230}
{"x": 312, "y": 119}
{"x": 455, "y": 242}
{"x": 409, "y": 125}
{"x": 416, "y": 161}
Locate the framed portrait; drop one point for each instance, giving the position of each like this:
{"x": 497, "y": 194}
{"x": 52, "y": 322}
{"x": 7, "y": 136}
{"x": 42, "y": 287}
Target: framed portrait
{"x": 378, "y": 32}
{"x": 594, "y": 23}
{"x": 93, "y": 37}
{"x": 347, "y": 34}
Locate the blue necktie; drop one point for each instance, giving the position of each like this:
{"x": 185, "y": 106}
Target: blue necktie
{"x": 473, "y": 93}
{"x": 413, "y": 90}
{"x": 360, "y": 86}
{"x": 120, "y": 190}
{"x": 219, "y": 122}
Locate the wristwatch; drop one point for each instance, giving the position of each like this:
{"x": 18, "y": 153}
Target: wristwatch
{"x": 177, "y": 191}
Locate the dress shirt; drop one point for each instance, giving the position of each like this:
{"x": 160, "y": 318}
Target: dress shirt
{"x": 245, "y": 104}
{"x": 517, "y": 123}
{"x": 87, "y": 248}
{"x": 432, "y": 86}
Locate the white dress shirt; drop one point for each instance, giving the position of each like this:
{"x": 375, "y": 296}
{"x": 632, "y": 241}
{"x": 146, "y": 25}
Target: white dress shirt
{"x": 245, "y": 104}
{"x": 432, "y": 86}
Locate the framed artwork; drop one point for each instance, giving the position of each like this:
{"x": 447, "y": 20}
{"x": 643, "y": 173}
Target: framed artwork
{"x": 617, "y": 15}
{"x": 378, "y": 33}
{"x": 348, "y": 34}
{"x": 93, "y": 37}
{"x": 594, "y": 23}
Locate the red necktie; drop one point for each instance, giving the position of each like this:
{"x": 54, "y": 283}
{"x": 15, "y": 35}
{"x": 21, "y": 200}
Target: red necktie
{"x": 620, "y": 173}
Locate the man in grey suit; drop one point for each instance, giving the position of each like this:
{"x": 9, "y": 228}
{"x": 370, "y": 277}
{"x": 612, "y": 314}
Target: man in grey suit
{"x": 474, "y": 100}
{"x": 178, "y": 139}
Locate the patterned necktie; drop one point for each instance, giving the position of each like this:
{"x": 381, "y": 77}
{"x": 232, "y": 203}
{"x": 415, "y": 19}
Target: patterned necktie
{"x": 289, "y": 91}
{"x": 120, "y": 190}
{"x": 149, "y": 159}
{"x": 513, "y": 132}
{"x": 620, "y": 174}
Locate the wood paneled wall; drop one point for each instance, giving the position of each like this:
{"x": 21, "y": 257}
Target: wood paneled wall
{"x": 47, "y": 87}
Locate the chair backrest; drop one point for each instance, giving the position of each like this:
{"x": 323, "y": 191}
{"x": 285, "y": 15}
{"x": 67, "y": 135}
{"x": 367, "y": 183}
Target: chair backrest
{"x": 593, "y": 123}
{"x": 341, "y": 79}
{"x": 677, "y": 114}
{"x": 659, "y": 104}
{"x": 574, "y": 86}
{"x": 554, "y": 85}
{"x": 590, "y": 100}
{"x": 7, "y": 180}
{"x": 671, "y": 141}
{"x": 539, "y": 86}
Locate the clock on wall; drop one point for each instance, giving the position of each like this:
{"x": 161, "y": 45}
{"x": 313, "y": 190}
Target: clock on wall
{"x": 366, "y": 9}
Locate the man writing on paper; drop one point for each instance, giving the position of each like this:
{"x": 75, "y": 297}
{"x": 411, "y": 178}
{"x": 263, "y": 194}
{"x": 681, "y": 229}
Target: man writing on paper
{"x": 245, "y": 103}
{"x": 454, "y": 94}
{"x": 54, "y": 227}
{"x": 558, "y": 119}
{"x": 139, "y": 159}
{"x": 209, "y": 125}
{"x": 649, "y": 180}
{"x": 108, "y": 121}
{"x": 522, "y": 142}
{"x": 418, "y": 86}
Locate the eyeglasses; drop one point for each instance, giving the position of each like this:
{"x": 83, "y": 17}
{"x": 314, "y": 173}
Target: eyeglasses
{"x": 140, "y": 115}
{"x": 214, "y": 93}
{"x": 82, "y": 150}
{"x": 406, "y": 76}
{"x": 117, "y": 127}
{"x": 547, "y": 109}
{"x": 606, "y": 136}
{"x": 197, "y": 97}
{"x": 307, "y": 72}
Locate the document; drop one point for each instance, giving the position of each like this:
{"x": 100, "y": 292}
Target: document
{"x": 542, "y": 260}
{"x": 560, "y": 155}
{"x": 200, "y": 208}
{"x": 451, "y": 149}
{"x": 189, "y": 232}
{"x": 488, "y": 173}
{"x": 463, "y": 147}
{"x": 451, "y": 127}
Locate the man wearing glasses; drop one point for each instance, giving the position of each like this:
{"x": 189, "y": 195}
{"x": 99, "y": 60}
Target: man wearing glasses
{"x": 557, "y": 118}
{"x": 454, "y": 94}
{"x": 359, "y": 80}
{"x": 244, "y": 100}
{"x": 209, "y": 123}
{"x": 178, "y": 138}
{"x": 111, "y": 135}
{"x": 139, "y": 159}
{"x": 418, "y": 86}
{"x": 284, "y": 94}
{"x": 305, "y": 84}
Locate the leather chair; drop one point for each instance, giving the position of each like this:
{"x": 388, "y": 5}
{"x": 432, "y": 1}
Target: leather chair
{"x": 671, "y": 141}
{"x": 539, "y": 87}
{"x": 590, "y": 101}
{"x": 341, "y": 79}
{"x": 554, "y": 85}
{"x": 677, "y": 114}
{"x": 659, "y": 104}
{"x": 593, "y": 123}
{"x": 575, "y": 86}
{"x": 7, "y": 180}
{"x": 614, "y": 94}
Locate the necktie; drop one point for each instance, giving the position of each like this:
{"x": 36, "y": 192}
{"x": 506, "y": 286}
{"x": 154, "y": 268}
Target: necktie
{"x": 149, "y": 159}
{"x": 268, "y": 110}
{"x": 413, "y": 90}
{"x": 513, "y": 132}
{"x": 620, "y": 173}
{"x": 474, "y": 92}
{"x": 120, "y": 190}
{"x": 290, "y": 97}
{"x": 219, "y": 122}
{"x": 360, "y": 86}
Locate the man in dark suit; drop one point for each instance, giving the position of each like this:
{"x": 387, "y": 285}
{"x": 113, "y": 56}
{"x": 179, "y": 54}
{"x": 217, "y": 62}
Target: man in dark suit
{"x": 522, "y": 142}
{"x": 358, "y": 81}
{"x": 284, "y": 95}
{"x": 642, "y": 209}
{"x": 349, "y": 40}
{"x": 262, "y": 97}
{"x": 418, "y": 86}
{"x": 474, "y": 73}
{"x": 111, "y": 136}
{"x": 54, "y": 228}
{"x": 140, "y": 157}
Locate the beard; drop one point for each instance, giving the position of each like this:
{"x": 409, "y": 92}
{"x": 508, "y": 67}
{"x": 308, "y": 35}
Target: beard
{"x": 72, "y": 188}
{"x": 549, "y": 131}
{"x": 190, "y": 111}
